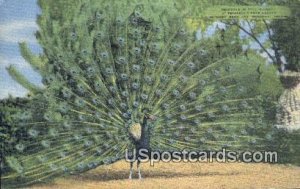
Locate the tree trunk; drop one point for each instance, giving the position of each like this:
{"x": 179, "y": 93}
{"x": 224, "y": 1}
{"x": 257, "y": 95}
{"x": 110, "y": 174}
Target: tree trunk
{"x": 288, "y": 115}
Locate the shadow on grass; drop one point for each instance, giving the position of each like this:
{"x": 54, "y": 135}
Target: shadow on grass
{"x": 123, "y": 175}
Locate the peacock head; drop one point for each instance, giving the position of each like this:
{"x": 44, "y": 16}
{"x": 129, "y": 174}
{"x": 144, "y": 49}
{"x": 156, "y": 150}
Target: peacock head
{"x": 148, "y": 115}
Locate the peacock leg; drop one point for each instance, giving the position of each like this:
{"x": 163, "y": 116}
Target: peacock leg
{"x": 131, "y": 168}
{"x": 139, "y": 169}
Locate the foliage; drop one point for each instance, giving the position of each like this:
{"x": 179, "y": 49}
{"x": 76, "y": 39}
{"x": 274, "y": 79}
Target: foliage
{"x": 286, "y": 36}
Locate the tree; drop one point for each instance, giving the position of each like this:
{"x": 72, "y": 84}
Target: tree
{"x": 286, "y": 37}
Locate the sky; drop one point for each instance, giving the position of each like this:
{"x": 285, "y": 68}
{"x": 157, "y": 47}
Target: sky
{"x": 18, "y": 24}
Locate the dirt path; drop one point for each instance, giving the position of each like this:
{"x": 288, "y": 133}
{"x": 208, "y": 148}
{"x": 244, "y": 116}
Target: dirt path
{"x": 185, "y": 175}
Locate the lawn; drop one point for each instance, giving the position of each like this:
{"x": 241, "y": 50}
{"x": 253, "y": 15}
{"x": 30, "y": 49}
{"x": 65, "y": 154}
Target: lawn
{"x": 184, "y": 175}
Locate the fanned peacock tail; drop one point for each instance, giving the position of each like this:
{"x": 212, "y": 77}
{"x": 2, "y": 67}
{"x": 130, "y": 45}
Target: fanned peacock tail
{"x": 101, "y": 68}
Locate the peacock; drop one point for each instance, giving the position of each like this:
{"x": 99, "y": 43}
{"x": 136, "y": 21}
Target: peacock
{"x": 123, "y": 75}
{"x": 140, "y": 135}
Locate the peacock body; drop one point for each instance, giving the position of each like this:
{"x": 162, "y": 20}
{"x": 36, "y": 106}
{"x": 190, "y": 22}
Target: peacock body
{"x": 101, "y": 68}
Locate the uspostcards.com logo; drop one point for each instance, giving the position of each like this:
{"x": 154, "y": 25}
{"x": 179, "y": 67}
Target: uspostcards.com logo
{"x": 223, "y": 156}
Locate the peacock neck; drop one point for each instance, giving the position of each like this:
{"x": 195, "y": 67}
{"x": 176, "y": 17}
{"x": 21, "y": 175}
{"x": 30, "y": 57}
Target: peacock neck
{"x": 144, "y": 128}
{"x": 144, "y": 142}
{"x": 144, "y": 122}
